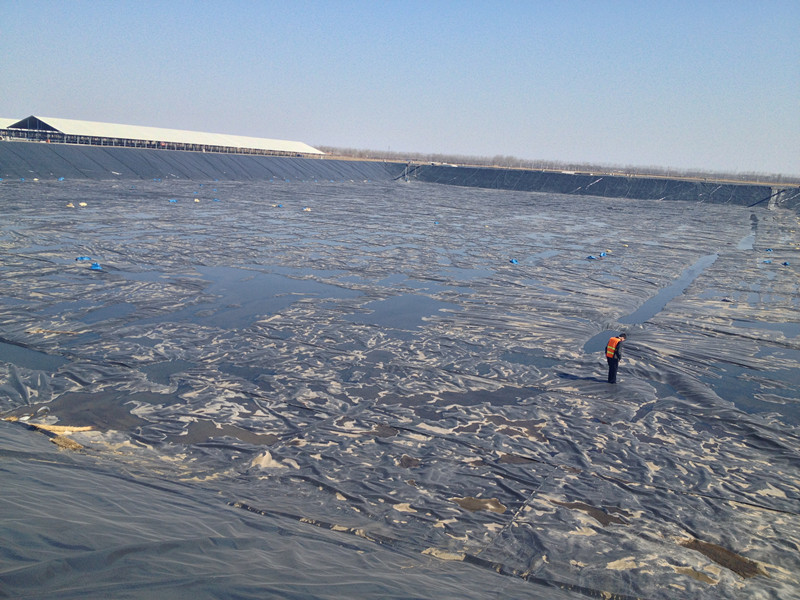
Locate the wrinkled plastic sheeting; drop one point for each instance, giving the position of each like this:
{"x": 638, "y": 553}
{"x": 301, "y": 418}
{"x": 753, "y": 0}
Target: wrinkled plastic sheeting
{"x": 105, "y": 534}
{"x": 374, "y": 378}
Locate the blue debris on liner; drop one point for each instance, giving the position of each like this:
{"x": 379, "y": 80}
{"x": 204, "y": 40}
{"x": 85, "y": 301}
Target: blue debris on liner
{"x": 786, "y": 263}
{"x": 96, "y": 267}
{"x": 602, "y": 254}
{"x": 215, "y": 200}
{"x": 591, "y": 257}
{"x": 84, "y": 258}
{"x": 769, "y": 249}
{"x": 60, "y": 179}
{"x": 768, "y": 261}
{"x": 173, "y": 200}
{"x": 514, "y": 261}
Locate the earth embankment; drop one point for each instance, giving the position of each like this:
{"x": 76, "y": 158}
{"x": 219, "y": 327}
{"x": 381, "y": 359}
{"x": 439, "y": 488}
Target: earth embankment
{"x": 33, "y": 160}
{"x": 585, "y": 184}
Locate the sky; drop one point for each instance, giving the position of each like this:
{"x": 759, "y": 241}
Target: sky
{"x": 701, "y": 84}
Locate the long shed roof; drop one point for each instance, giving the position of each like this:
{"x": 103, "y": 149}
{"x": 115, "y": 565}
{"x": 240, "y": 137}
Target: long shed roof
{"x": 158, "y": 134}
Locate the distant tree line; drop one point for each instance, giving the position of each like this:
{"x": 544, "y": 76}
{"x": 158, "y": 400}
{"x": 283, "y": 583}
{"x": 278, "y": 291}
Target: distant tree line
{"x": 512, "y": 162}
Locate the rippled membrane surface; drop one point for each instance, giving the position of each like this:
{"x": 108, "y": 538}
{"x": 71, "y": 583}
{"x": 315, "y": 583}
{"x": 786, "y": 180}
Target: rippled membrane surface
{"x": 318, "y": 390}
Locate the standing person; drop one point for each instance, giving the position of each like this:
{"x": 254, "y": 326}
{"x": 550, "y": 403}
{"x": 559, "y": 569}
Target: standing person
{"x": 613, "y": 354}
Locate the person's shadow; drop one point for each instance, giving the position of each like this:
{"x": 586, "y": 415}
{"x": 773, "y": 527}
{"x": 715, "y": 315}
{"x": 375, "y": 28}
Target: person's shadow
{"x": 572, "y": 377}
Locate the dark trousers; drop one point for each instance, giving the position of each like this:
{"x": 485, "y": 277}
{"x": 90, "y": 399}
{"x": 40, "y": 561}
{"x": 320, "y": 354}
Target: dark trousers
{"x": 613, "y": 365}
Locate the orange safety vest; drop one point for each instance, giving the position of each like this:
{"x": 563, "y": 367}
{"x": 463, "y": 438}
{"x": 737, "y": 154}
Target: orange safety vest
{"x": 611, "y": 348}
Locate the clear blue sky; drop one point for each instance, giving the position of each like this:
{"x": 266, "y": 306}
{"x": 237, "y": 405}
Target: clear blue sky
{"x": 712, "y": 85}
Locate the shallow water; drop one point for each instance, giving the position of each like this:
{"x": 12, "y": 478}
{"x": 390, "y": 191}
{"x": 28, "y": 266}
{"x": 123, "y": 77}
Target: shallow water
{"x": 370, "y": 399}
{"x": 656, "y": 304}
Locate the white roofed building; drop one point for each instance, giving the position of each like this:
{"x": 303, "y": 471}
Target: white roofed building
{"x": 71, "y": 131}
